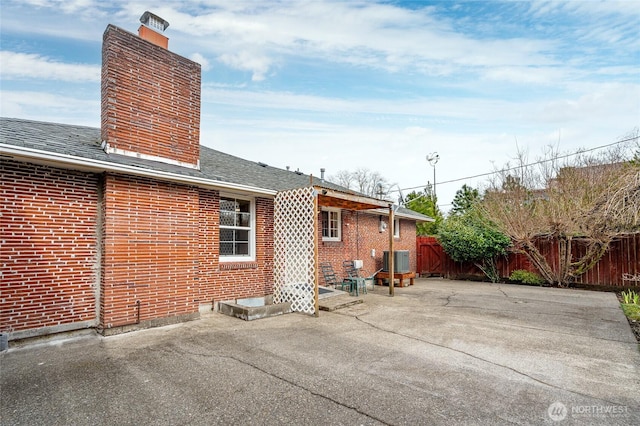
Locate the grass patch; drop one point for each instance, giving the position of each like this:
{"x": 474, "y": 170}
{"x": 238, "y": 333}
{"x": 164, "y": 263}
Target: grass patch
{"x": 632, "y": 311}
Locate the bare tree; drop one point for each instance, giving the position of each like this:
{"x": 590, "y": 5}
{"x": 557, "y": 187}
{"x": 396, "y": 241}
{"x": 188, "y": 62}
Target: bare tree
{"x": 363, "y": 180}
{"x": 343, "y": 178}
{"x": 587, "y": 198}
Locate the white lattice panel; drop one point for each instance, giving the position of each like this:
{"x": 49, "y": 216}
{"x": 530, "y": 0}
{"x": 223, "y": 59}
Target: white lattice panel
{"x": 293, "y": 249}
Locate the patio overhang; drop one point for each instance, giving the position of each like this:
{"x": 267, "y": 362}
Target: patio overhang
{"x": 332, "y": 198}
{"x": 297, "y": 238}
{"x": 344, "y": 200}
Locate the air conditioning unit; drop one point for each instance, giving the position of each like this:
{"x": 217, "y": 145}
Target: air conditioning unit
{"x": 400, "y": 261}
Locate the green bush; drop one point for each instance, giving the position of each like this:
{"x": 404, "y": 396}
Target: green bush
{"x": 526, "y": 277}
{"x": 471, "y": 238}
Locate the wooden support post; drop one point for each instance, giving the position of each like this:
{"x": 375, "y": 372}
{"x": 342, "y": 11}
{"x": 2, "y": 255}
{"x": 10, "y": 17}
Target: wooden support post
{"x": 391, "y": 265}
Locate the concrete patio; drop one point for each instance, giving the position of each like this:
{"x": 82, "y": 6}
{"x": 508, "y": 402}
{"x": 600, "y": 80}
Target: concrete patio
{"x": 439, "y": 352}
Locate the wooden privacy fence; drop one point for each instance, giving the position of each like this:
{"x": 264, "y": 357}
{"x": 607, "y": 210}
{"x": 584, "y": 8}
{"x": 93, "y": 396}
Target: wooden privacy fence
{"x": 619, "y": 267}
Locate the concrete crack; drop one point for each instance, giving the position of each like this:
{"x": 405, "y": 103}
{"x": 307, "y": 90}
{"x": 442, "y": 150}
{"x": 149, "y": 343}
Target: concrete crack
{"x": 449, "y": 299}
{"x": 290, "y": 382}
{"x": 328, "y": 398}
{"x": 555, "y": 331}
{"x": 502, "y": 291}
{"x": 542, "y": 382}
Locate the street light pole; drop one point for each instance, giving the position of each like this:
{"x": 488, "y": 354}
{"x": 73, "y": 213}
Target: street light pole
{"x": 433, "y": 160}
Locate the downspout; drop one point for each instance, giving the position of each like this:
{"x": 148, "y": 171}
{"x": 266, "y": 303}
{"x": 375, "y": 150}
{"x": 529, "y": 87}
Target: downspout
{"x": 100, "y": 223}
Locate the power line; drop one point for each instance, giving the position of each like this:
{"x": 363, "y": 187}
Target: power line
{"x": 524, "y": 165}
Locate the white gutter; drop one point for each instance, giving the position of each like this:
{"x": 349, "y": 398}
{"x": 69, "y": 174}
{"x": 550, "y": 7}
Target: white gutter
{"x": 85, "y": 164}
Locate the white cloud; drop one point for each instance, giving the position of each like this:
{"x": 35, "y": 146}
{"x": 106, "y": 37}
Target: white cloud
{"x": 257, "y": 64}
{"x": 53, "y": 107}
{"x": 466, "y": 82}
{"x": 526, "y": 75}
{"x": 69, "y": 6}
{"x": 608, "y": 103}
{"x": 24, "y": 66}
{"x": 199, "y": 58}
{"x": 81, "y": 13}
{"x": 255, "y": 36}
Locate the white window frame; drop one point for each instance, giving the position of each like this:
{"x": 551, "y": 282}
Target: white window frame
{"x": 396, "y": 227}
{"x": 251, "y": 228}
{"x": 329, "y": 212}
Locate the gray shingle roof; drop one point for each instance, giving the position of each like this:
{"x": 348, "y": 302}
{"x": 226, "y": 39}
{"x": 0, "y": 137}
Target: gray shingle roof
{"x": 85, "y": 143}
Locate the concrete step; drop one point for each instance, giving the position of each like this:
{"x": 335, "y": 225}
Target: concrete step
{"x": 338, "y": 302}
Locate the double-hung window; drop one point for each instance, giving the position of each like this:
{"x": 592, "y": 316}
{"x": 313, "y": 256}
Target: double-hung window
{"x": 331, "y": 225}
{"x": 237, "y": 229}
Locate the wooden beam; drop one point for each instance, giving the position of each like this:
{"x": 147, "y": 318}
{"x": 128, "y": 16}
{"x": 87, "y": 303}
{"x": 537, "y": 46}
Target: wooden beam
{"x": 343, "y": 200}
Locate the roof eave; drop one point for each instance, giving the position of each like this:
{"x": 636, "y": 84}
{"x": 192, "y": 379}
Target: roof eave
{"x": 91, "y": 165}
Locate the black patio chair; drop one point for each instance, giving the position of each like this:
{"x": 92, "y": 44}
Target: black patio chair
{"x": 330, "y": 278}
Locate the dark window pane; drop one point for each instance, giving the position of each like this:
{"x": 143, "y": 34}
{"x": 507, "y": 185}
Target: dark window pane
{"x": 243, "y": 219}
{"x": 325, "y": 223}
{"x": 227, "y": 205}
{"x": 226, "y": 235}
{"x": 226, "y": 249}
{"x": 242, "y": 236}
{"x": 242, "y": 249}
{"x": 243, "y": 206}
{"x": 226, "y": 218}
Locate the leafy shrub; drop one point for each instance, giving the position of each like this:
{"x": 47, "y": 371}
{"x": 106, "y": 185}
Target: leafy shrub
{"x": 470, "y": 238}
{"x": 526, "y": 277}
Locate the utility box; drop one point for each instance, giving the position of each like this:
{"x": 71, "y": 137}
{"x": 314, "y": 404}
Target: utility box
{"x": 400, "y": 261}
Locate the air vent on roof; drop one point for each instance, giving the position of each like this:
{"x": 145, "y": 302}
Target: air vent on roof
{"x": 298, "y": 172}
{"x": 261, "y": 164}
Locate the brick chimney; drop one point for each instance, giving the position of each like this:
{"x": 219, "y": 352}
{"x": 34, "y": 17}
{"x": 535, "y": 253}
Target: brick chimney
{"x": 150, "y": 96}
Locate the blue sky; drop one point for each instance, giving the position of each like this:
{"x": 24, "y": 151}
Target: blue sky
{"x": 352, "y": 84}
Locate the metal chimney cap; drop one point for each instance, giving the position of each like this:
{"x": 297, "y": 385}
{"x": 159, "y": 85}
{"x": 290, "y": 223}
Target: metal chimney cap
{"x": 154, "y": 21}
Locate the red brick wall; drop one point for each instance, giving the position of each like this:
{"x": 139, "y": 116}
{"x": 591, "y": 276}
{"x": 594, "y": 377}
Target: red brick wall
{"x": 150, "y": 250}
{"x": 145, "y": 240}
{"x": 156, "y": 242}
{"x": 221, "y": 281}
{"x": 150, "y": 98}
{"x": 360, "y": 234}
{"x": 48, "y": 246}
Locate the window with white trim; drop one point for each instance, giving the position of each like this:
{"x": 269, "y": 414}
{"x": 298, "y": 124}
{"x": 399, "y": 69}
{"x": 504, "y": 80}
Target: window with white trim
{"x": 396, "y": 228}
{"x": 237, "y": 229}
{"x": 331, "y": 224}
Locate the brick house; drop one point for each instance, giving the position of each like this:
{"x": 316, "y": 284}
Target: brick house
{"x": 135, "y": 224}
